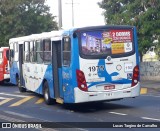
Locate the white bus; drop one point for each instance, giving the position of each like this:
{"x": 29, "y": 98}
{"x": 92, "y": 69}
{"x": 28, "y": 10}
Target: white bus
{"x": 78, "y": 65}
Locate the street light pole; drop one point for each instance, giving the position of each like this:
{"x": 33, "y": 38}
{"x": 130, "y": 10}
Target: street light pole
{"x": 72, "y": 14}
{"x": 60, "y": 13}
{"x": 72, "y": 3}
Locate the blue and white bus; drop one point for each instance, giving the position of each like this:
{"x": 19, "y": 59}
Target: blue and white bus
{"x": 78, "y": 65}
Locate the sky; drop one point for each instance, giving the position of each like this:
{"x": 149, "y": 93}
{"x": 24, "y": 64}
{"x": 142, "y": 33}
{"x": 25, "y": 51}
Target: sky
{"x": 86, "y": 12}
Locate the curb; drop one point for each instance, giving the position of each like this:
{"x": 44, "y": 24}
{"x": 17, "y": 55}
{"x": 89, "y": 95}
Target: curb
{"x": 143, "y": 91}
{"x": 146, "y": 90}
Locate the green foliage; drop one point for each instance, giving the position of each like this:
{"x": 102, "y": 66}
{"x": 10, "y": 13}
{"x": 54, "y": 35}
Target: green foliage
{"x": 24, "y": 17}
{"x": 144, "y": 14}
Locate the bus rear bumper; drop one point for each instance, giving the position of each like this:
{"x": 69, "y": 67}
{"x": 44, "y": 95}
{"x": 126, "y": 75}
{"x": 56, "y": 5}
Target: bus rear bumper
{"x": 82, "y": 96}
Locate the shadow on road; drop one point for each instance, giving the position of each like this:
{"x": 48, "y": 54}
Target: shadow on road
{"x": 7, "y": 84}
{"x": 94, "y": 107}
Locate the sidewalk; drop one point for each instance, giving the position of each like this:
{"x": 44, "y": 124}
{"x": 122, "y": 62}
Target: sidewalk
{"x": 151, "y": 86}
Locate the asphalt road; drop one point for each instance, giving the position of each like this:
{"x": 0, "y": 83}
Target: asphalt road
{"x": 30, "y": 107}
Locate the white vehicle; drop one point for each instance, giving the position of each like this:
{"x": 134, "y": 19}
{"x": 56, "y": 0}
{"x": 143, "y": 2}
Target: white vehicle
{"x": 78, "y": 65}
{"x": 150, "y": 55}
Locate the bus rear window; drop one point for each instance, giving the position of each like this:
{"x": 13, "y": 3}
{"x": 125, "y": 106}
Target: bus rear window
{"x": 106, "y": 42}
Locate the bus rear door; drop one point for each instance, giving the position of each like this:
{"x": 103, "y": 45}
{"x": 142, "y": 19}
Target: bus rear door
{"x": 20, "y": 65}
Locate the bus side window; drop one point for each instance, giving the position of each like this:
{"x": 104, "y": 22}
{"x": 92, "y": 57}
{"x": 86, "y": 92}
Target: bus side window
{"x": 26, "y": 52}
{"x": 11, "y": 54}
{"x": 39, "y": 51}
{"x": 31, "y": 51}
{"x": 15, "y": 52}
{"x": 66, "y": 51}
{"x": 47, "y": 50}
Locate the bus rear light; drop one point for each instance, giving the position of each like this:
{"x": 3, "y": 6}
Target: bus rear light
{"x": 6, "y": 68}
{"x": 135, "y": 77}
{"x": 81, "y": 80}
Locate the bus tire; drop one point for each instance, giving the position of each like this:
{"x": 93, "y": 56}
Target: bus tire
{"x": 46, "y": 93}
{"x": 21, "y": 89}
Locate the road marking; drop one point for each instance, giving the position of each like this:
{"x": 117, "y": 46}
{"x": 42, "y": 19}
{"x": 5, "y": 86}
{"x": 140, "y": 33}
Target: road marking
{"x": 2, "y": 98}
{"x": 13, "y": 95}
{"x": 143, "y": 90}
{"x": 152, "y": 95}
{"x": 18, "y": 114}
{"x": 40, "y": 101}
{"x": 5, "y": 101}
{"x": 122, "y": 114}
{"x": 155, "y": 96}
{"x": 21, "y": 101}
{"x": 10, "y": 119}
{"x": 150, "y": 118}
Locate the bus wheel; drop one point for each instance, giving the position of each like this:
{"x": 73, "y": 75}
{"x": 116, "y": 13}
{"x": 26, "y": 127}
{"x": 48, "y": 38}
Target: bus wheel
{"x": 46, "y": 94}
{"x": 21, "y": 89}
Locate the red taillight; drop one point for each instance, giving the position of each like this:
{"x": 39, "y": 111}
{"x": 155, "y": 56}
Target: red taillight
{"x": 6, "y": 69}
{"x": 135, "y": 77}
{"x": 81, "y": 81}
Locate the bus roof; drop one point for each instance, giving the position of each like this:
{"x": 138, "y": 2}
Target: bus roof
{"x": 54, "y": 35}
{"x": 101, "y": 27}
{"x": 2, "y": 48}
{"x": 57, "y": 35}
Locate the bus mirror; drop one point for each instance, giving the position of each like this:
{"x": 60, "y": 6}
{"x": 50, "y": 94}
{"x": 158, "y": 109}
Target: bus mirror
{"x": 74, "y": 35}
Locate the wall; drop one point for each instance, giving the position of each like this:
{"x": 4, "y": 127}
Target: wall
{"x": 150, "y": 71}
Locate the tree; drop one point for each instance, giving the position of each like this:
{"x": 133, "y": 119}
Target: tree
{"x": 24, "y": 17}
{"x": 144, "y": 14}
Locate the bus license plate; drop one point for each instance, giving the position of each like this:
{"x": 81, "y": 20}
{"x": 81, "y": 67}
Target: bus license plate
{"x": 109, "y": 87}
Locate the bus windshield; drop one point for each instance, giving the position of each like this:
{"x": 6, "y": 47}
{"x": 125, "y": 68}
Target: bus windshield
{"x": 1, "y": 55}
{"x": 7, "y": 54}
{"x": 106, "y": 42}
